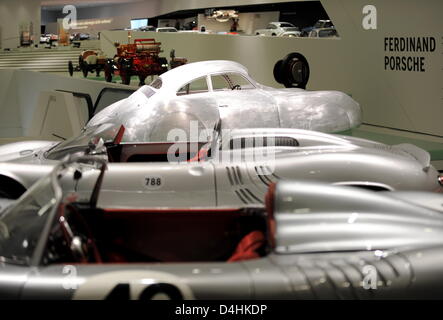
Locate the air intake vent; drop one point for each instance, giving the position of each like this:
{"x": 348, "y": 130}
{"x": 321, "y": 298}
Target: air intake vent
{"x": 252, "y": 142}
{"x": 236, "y": 180}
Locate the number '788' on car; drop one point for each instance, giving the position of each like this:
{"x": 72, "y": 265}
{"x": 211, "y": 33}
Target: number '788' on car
{"x": 227, "y": 171}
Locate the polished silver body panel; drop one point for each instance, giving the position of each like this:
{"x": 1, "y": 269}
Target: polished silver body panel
{"x": 404, "y": 261}
{"x": 412, "y": 274}
{"x": 324, "y": 218}
{"x": 149, "y": 114}
{"x": 231, "y": 178}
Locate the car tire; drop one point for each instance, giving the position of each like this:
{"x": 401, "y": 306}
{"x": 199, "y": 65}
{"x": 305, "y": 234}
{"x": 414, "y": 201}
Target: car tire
{"x": 125, "y": 71}
{"x": 278, "y": 72}
{"x": 164, "y": 63}
{"x": 84, "y": 67}
{"x": 141, "y": 80}
{"x": 108, "y": 71}
{"x": 294, "y": 71}
{"x": 70, "y": 68}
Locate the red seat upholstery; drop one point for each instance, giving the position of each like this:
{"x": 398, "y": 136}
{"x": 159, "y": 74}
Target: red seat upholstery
{"x": 200, "y": 156}
{"x": 270, "y": 207}
{"x": 249, "y": 246}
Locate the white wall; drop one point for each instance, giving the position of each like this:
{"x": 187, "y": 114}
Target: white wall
{"x": 130, "y": 11}
{"x": 247, "y": 22}
{"x": 12, "y": 14}
{"x": 20, "y": 90}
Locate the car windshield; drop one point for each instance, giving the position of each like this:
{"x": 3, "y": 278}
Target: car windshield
{"x": 286, "y": 25}
{"x": 79, "y": 144}
{"x": 22, "y": 224}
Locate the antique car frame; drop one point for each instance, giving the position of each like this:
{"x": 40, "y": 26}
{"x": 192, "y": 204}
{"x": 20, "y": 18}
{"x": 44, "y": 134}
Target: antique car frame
{"x": 88, "y": 61}
{"x": 140, "y": 59}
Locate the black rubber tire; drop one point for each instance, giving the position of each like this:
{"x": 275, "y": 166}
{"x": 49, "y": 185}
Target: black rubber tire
{"x": 108, "y": 71}
{"x": 70, "y": 68}
{"x": 84, "y": 67}
{"x": 287, "y": 77}
{"x": 141, "y": 80}
{"x": 125, "y": 75}
{"x": 278, "y": 71}
{"x": 126, "y": 71}
{"x": 164, "y": 62}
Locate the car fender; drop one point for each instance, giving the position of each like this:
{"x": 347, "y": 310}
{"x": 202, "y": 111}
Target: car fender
{"x": 326, "y": 111}
{"x": 24, "y": 174}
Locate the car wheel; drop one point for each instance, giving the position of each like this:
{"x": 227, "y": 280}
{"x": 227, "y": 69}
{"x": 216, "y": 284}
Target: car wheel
{"x": 164, "y": 64}
{"x": 126, "y": 78}
{"x": 70, "y": 68}
{"x": 141, "y": 80}
{"x": 108, "y": 71}
{"x": 125, "y": 71}
{"x": 273, "y": 34}
{"x": 293, "y": 71}
{"x": 277, "y": 72}
{"x": 84, "y": 68}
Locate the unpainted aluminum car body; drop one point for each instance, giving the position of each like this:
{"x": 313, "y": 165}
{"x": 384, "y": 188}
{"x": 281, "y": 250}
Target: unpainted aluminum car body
{"x": 211, "y": 91}
{"x": 313, "y": 241}
{"x": 229, "y": 170}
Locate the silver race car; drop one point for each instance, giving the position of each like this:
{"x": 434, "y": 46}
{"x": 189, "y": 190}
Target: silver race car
{"x": 210, "y": 91}
{"x": 312, "y": 241}
{"x": 228, "y": 169}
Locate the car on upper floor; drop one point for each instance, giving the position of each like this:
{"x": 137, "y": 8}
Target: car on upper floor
{"x": 320, "y": 24}
{"x": 323, "y": 33}
{"x": 166, "y": 29}
{"x": 277, "y": 29}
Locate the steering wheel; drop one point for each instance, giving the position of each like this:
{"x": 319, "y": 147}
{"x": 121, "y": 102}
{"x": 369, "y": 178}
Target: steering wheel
{"x": 70, "y": 234}
{"x": 236, "y": 87}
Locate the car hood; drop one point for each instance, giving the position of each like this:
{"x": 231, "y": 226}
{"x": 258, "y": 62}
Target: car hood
{"x": 24, "y": 151}
{"x": 325, "y": 143}
{"x": 313, "y": 217}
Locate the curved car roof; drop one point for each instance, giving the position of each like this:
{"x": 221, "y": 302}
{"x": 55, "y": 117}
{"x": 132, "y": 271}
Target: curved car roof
{"x": 176, "y": 78}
